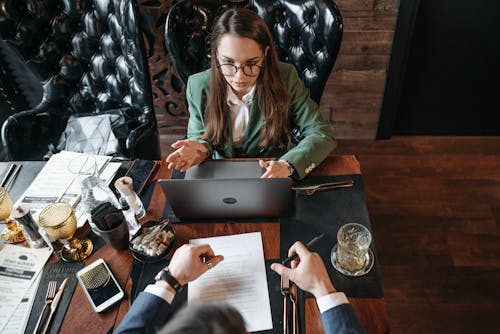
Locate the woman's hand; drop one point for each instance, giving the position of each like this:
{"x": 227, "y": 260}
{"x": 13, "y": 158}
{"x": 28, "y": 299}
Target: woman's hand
{"x": 275, "y": 169}
{"x": 191, "y": 261}
{"x": 189, "y": 153}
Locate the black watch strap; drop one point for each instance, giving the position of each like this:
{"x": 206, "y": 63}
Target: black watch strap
{"x": 164, "y": 275}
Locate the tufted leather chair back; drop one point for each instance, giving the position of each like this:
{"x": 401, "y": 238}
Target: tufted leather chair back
{"x": 91, "y": 58}
{"x": 306, "y": 33}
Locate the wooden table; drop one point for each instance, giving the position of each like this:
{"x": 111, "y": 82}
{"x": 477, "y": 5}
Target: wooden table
{"x": 81, "y": 317}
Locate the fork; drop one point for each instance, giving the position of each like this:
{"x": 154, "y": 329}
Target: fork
{"x": 285, "y": 291}
{"x": 49, "y": 296}
{"x": 295, "y": 308}
{"x": 309, "y": 190}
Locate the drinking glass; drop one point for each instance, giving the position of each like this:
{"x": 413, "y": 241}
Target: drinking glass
{"x": 83, "y": 165}
{"x": 352, "y": 255}
{"x": 13, "y": 233}
{"x": 93, "y": 189}
{"x": 59, "y": 222}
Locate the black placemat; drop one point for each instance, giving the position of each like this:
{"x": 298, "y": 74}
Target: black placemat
{"x": 57, "y": 271}
{"x": 328, "y": 210}
{"x": 143, "y": 274}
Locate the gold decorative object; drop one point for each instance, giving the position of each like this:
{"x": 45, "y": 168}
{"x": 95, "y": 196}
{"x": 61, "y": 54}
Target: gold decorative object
{"x": 59, "y": 222}
{"x": 13, "y": 234}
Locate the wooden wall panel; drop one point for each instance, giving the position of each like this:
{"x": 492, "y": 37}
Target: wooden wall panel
{"x": 353, "y": 94}
{"x": 352, "y": 101}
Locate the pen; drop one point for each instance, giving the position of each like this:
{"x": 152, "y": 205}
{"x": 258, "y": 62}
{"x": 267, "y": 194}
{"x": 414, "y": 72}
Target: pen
{"x": 308, "y": 245}
{"x": 14, "y": 175}
{"x": 8, "y": 175}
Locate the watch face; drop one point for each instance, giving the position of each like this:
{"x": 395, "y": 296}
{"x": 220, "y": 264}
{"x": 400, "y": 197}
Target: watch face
{"x": 159, "y": 275}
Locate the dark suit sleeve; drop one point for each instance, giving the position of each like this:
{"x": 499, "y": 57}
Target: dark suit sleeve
{"x": 341, "y": 319}
{"x": 147, "y": 314}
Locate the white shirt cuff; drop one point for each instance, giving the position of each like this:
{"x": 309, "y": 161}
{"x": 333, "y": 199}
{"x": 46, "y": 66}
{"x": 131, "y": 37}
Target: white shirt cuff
{"x": 330, "y": 301}
{"x": 161, "y": 292}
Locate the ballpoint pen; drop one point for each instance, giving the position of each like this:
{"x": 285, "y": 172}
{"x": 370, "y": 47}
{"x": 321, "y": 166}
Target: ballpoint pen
{"x": 308, "y": 245}
{"x": 55, "y": 303}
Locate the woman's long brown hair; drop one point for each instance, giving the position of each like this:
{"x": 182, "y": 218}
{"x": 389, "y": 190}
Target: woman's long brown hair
{"x": 270, "y": 91}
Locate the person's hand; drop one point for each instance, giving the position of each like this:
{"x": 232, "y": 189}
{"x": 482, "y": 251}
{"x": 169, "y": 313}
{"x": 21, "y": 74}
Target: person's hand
{"x": 307, "y": 271}
{"x": 191, "y": 261}
{"x": 274, "y": 169}
{"x": 189, "y": 153}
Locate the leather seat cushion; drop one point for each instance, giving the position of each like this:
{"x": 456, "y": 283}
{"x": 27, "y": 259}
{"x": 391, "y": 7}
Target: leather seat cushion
{"x": 103, "y": 134}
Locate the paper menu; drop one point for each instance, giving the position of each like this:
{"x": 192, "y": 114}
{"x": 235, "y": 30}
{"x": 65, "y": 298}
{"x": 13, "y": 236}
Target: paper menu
{"x": 239, "y": 280}
{"x": 19, "y": 319}
{"x": 19, "y": 267}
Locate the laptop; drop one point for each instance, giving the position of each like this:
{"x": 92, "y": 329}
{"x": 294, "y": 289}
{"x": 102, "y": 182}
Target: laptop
{"x": 228, "y": 189}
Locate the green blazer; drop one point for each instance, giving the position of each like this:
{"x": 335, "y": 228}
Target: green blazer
{"x": 317, "y": 137}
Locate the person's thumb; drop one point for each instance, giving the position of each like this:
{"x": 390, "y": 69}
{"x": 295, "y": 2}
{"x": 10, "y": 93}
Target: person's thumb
{"x": 281, "y": 269}
{"x": 263, "y": 164}
{"x": 216, "y": 260}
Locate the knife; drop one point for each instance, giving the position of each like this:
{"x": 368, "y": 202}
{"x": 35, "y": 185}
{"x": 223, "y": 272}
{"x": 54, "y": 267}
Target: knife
{"x": 55, "y": 302}
{"x": 7, "y": 175}
{"x": 295, "y": 308}
{"x": 13, "y": 176}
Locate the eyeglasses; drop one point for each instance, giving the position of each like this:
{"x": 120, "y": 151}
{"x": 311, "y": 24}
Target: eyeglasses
{"x": 249, "y": 69}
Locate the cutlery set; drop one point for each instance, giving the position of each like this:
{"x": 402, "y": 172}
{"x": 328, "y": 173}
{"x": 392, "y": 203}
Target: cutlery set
{"x": 289, "y": 292}
{"x": 311, "y": 189}
{"x": 10, "y": 175}
{"x": 52, "y": 298}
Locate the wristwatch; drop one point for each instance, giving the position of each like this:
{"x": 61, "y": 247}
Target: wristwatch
{"x": 164, "y": 275}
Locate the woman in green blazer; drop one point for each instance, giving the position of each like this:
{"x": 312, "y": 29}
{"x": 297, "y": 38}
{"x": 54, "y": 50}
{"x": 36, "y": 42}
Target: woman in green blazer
{"x": 248, "y": 103}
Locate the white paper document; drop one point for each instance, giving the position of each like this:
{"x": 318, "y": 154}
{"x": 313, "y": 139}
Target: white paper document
{"x": 58, "y": 181}
{"x": 19, "y": 267}
{"x": 19, "y": 319}
{"x": 239, "y": 280}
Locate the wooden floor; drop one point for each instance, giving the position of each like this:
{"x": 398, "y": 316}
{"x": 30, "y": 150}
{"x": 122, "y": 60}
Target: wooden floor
{"x": 434, "y": 205}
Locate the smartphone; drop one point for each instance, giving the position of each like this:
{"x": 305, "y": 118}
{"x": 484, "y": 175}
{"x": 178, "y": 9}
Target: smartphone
{"x": 141, "y": 172}
{"x": 100, "y": 286}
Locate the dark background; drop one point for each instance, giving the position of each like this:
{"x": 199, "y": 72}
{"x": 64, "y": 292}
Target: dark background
{"x": 444, "y": 74}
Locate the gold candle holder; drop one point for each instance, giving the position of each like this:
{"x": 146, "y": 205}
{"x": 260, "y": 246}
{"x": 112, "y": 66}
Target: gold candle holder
{"x": 13, "y": 234}
{"x": 59, "y": 222}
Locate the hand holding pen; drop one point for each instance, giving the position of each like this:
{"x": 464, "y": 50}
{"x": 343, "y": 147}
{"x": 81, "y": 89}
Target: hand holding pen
{"x": 307, "y": 271}
{"x": 310, "y": 244}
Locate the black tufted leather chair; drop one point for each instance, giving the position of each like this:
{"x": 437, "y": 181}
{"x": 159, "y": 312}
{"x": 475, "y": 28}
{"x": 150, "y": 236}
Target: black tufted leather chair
{"x": 306, "y": 33}
{"x": 91, "y": 58}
